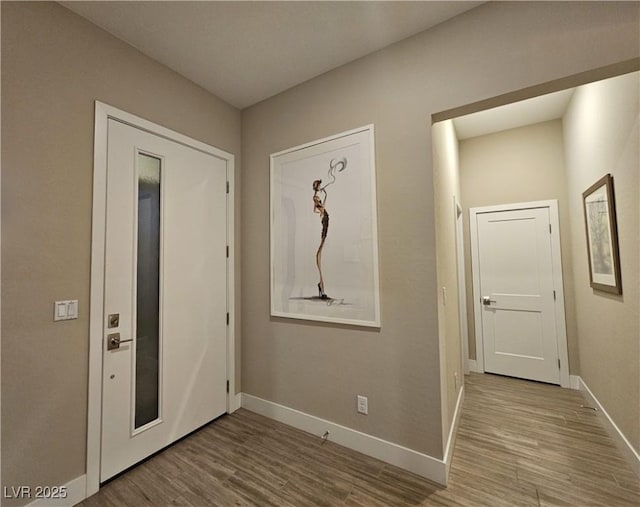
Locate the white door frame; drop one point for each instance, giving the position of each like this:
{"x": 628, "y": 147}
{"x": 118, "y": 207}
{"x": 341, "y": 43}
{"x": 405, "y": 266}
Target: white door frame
{"x": 103, "y": 113}
{"x": 556, "y": 259}
{"x": 462, "y": 286}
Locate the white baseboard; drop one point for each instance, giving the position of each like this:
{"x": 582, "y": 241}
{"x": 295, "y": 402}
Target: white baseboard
{"x": 473, "y": 365}
{"x": 76, "y": 491}
{"x": 625, "y": 446}
{"x": 453, "y": 431}
{"x": 424, "y": 465}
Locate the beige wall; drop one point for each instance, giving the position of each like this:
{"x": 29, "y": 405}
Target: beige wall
{"x": 519, "y": 165}
{"x": 446, "y": 185}
{"x": 54, "y": 65}
{"x": 494, "y": 49}
{"x": 602, "y": 136}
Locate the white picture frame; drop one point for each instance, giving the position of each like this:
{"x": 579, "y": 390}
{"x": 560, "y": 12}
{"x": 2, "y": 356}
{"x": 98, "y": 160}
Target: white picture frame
{"x": 324, "y": 231}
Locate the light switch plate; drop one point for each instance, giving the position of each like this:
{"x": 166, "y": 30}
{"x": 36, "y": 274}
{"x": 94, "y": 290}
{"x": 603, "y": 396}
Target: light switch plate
{"x": 60, "y": 310}
{"x": 363, "y": 405}
{"x": 65, "y": 310}
{"x": 72, "y": 309}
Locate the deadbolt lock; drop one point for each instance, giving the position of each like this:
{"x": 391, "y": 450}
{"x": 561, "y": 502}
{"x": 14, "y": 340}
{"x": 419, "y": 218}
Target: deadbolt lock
{"x": 114, "y": 320}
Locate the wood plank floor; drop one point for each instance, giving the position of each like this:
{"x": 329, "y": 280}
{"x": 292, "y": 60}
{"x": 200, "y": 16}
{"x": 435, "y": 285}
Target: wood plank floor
{"x": 519, "y": 443}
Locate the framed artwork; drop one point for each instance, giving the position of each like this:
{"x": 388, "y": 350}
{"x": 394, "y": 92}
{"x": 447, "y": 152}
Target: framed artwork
{"x": 324, "y": 231}
{"x": 602, "y": 236}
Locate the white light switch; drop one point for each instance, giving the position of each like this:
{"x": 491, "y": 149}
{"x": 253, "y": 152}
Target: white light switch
{"x": 60, "y": 310}
{"x": 65, "y": 310}
{"x": 72, "y": 309}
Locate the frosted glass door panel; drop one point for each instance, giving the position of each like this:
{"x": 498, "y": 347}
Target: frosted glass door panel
{"x": 148, "y": 291}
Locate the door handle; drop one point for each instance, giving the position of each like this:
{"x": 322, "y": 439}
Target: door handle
{"x": 114, "y": 341}
{"x": 486, "y": 300}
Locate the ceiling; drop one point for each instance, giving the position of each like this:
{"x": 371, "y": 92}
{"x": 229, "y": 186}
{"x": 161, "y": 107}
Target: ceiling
{"x": 245, "y": 52}
{"x": 526, "y": 112}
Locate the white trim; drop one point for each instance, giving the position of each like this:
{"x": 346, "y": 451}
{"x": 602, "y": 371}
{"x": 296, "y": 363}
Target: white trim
{"x": 462, "y": 284}
{"x": 612, "y": 428}
{"x": 473, "y": 365}
{"x": 561, "y": 328}
{"x": 453, "y": 432}
{"x": 558, "y": 284}
{"x": 232, "y": 402}
{"x": 424, "y": 465}
{"x": 1, "y": 483}
{"x": 475, "y": 275}
{"x": 324, "y": 140}
{"x": 235, "y": 402}
{"x": 75, "y": 493}
{"x": 96, "y": 309}
{"x": 94, "y": 416}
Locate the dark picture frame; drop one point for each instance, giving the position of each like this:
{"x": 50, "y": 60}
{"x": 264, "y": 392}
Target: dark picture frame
{"x": 603, "y": 250}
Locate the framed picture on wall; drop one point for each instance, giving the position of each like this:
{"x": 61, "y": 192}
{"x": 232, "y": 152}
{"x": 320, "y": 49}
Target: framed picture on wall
{"x": 602, "y": 236}
{"x": 324, "y": 231}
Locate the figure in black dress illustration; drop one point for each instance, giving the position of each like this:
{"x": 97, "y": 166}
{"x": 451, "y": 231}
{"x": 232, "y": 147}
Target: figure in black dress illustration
{"x": 320, "y": 207}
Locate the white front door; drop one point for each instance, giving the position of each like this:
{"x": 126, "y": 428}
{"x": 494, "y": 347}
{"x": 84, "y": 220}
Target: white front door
{"x": 164, "y": 295}
{"x": 516, "y": 294}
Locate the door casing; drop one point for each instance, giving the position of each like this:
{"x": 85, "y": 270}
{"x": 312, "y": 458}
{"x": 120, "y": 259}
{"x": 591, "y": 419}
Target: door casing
{"x": 96, "y": 343}
{"x": 462, "y": 285}
{"x": 561, "y": 330}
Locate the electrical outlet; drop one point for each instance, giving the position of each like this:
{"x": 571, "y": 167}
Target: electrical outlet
{"x": 363, "y": 405}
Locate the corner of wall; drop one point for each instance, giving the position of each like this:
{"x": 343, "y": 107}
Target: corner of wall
{"x": 446, "y": 192}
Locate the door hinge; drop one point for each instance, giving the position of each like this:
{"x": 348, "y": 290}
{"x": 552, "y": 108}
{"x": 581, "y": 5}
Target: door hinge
{"x": 554, "y": 295}
{"x": 227, "y": 251}
{"x": 558, "y": 364}
{"x": 227, "y": 386}
{"x": 549, "y": 228}
{"x": 227, "y": 187}
{"x": 227, "y": 318}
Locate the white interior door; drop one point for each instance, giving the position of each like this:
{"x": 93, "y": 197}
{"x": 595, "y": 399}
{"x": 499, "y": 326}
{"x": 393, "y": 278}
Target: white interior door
{"x": 165, "y": 303}
{"x": 514, "y": 266}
